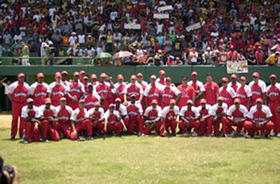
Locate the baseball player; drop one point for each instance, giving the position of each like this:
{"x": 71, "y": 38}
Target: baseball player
{"x": 189, "y": 118}
{"x": 211, "y": 90}
{"x": 103, "y": 89}
{"x": 234, "y": 84}
{"x": 258, "y": 88}
{"x": 170, "y": 119}
{"x": 218, "y": 113}
{"x": 152, "y": 91}
{"x": 169, "y": 92}
{"x": 273, "y": 99}
{"x": 236, "y": 117}
{"x": 56, "y": 90}
{"x": 227, "y": 92}
{"x": 96, "y": 115}
{"x": 187, "y": 93}
{"x": 244, "y": 93}
{"x": 38, "y": 90}
{"x": 18, "y": 94}
{"x": 133, "y": 89}
{"x": 31, "y": 114}
{"x": 48, "y": 114}
{"x": 75, "y": 92}
{"x": 205, "y": 118}
{"x": 119, "y": 88}
{"x": 135, "y": 117}
{"x": 141, "y": 82}
{"x": 198, "y": 87}
{"x": 64, "y": 81}
{"x": 113, "y": 121}
{"x": 152, "y": 118}
{"x": 91, "y": 98}
{"x": 79, "y": 117}
{"x": 259, "y": 116}
{"x": 161, "y": 80}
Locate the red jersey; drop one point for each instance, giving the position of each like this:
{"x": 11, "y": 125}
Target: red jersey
{"x": 168, "y": 93}
{"x": 152, "y": 113}
{"x": 39, "y": 93}
{"x": 134, "y": 110}
{"x": 64, "y": 114}
{"x": 102, "y": 89}
{"x": 56, "y": 91}
{"x": 133, "y": 89}
{"x": 152, "y": 92}
{"x": 119, "y": 89}
{"x": 257, "y": 89}
{"x": 211, "y": 90}
{"x": 273, "y": 93}
{"x": 228, "y": 94}
{"x": 90, "y": 100}
{"x": 19, "y": 92}
{"x": 243, "y": 93}
{"x": 187, "y": 93}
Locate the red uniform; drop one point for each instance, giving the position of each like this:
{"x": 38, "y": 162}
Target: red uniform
{"x": 152, "y": 92}
{"x": 188, "y": 114}
{"x": 64, "y": 122}
{"x": 133, "y": 89}
{"x": 199, "y": 88}
{"x": 19, "y": 92}
{"x": 48, "y": 128}
{"x": 56, "y": 91}
{"x": 243, "y": 93}
{"x": 98, "y": 127}
{"x": 119, "y": 90}
{"x": 211, "y": 90}
{"x": 103, "y": 90}
{"x": 206, "y": 125}
{"x": 234, "y": 86}
{"x": 39, "y": 93}
{"x": 80, "y": 117}
{"x": 31, "y": 132}
{"x": 258, "y": 90}
{"x": 75, "y": 89}
{"x": 168, "y": 93}
{"x": 238, "y": 114}
{"x": 214, "y": 111}
{"x": 259, "y": 115}
{"x": 90, "y": 100}
{"x": 152, "y": 114}
{"x": 228, "y": 94}
{"x": 170, "y": 121}
{"x": 273, "y": 93}
{"x": 113, "y": 122}
{"x": 187, "y": 93}
{"x": 135, "y": 119}
{"x": 161, "y": 81}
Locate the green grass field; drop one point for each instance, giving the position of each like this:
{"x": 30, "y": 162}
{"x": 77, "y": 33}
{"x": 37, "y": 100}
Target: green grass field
{"x": 133, "y": 159}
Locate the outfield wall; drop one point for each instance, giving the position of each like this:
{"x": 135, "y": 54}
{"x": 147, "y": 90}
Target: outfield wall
{"x": 175, "y": 72}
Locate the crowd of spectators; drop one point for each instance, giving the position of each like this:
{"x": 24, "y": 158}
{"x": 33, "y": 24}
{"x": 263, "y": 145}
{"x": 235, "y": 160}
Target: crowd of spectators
{"x": 228, "y": 30}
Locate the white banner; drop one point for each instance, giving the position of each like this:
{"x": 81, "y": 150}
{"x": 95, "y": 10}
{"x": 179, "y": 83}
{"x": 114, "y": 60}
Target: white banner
{"x": 132, "y": 26}
{"x": 164, "y": 8}
{"x": 237, "y": 66}
{"x": 161, "y": 16}
{"x": 193, "y": 27}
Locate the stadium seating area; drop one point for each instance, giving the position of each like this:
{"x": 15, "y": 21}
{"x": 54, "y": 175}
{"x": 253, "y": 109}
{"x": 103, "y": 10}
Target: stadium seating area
{"x": 156, "y": 32}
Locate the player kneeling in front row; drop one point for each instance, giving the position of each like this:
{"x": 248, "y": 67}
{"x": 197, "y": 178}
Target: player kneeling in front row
{"x": 96, "y": 115}
{"x": 113, "y": 122}
{"x": 152, "y": 118}
{"x": 48, "y": 121}
{"x": 80, "y": 119}
{"x": 170, "y": 119}
{"x": 30, "y": 114}
{"x": 205, "y": 119}
{"x": 259, "y": 116}
{"x": 189, "y": 118}
{"x": 236, "y": 117}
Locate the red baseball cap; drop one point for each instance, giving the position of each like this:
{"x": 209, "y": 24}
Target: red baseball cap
{"x": 85, "y": 77}
{"x": 118, "y": 100}
{"x": 154, "y": 101}
{"x": 62, "y": 99}
{"x": 40, "y": 75}
{"x": 103, "y": 75}
{"x": 190, "y": 102}
{"x": 153, "y": 77}
{"x": 97, "y": 104}
{"x": 57, "y": 75}
{"x": 224, "y": 79}
{"x": 120, "y": 77}
{"x": 242, "y": 78}
{"x": 48, "y": 100}
{"x": 256, "y": 74}
{"x": 29, "y": 100}
{"x": 76, "y": 74}
{"x": 111, "y": 105}
{"x": 133, "y": 77}
{"x": 233, "y": 76}
{"x": 203, "y": 101}
{"x": 237, "y": 100}
{"x": 21, "y": 75}
{"x": 161, "y": 72}
{"x": 273, "y": 76}
{"x": 194, "y": 73}
{"x": 172, "y": 101}
{"x": 168, "y": 79}
{"x": 259, "y": 100}
{"x": 82, "y": 72}
{"x": 93, "y": 76}
{"x": 139, "y": 75}
{"x": 64, "y": 73}
{"x": 221, "y": 98}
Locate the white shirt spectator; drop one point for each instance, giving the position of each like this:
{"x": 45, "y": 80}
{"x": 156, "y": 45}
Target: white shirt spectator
{"x": 82, "y": 39}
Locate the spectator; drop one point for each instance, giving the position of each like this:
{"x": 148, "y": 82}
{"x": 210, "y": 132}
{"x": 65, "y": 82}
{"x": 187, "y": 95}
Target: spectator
{"x": 6, "y": 86}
